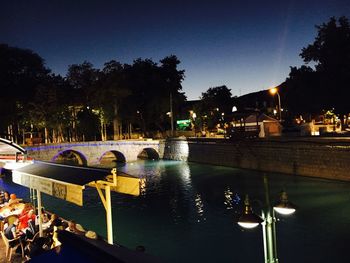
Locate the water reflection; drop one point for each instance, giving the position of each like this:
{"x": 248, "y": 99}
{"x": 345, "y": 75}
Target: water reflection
{"x": 186, "y": 214}
{"x": 230, "y": 198}
{"x": 200, "y": 208}
{"x": 185, "y": 174}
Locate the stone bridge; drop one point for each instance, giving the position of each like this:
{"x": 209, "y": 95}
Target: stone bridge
{"x": 95, "y": 153}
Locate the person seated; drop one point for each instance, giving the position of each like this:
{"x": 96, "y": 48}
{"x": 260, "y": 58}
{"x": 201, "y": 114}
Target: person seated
{"x": 27, "y": 207}
{"x": 13, "y": 200}
{"x": 27, "y": 223}
{"x": 6, "y": 197}
{"x": 45, "y": 218}
{"x": 11, "y": 232}
{"x": 45, "y": 221}
{"x": 55, "y": 221}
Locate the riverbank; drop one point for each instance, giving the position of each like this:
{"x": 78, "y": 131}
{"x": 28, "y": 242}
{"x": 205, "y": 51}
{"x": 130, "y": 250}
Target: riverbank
{"x": 319, "y": 157}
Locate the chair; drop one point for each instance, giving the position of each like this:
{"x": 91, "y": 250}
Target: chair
{"x": 30, "y": 242}
{"x": 9, "y": 249}
{"x": 34, "y": 237}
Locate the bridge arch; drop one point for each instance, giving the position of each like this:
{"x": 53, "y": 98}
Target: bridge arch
{"x": 148, "y": 154}
{"x": 71, "y": 157}
{"x": 112, "y": 157}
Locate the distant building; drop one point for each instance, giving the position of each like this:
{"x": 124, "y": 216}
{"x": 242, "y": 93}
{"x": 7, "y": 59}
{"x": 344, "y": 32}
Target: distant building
{"x": 267, "y": 126}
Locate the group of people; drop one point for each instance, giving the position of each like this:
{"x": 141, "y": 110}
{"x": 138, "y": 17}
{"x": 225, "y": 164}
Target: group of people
{"x": 20, "y": 223}
{"x": 8, "y": 199}
{"x": 25, "y": 224}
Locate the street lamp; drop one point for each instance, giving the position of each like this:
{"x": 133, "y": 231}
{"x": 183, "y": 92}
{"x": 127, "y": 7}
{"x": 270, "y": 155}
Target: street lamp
{"x": 267, "y": 220}
{"x": 274, "y": 91}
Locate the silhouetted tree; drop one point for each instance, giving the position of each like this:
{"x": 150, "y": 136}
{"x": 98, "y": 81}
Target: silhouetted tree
{"x": 330, "y": 52}
{"x": 83, "y": 79}
{"x": 49, "y": 109}
{"x": 112, "y": 91}
{"x": 216, "y": 102}
{"x": 301, "y": 93}
{"x": 151, "y": 86}
{"x": 171, "y": 87}
{"x": 21, "y": 71}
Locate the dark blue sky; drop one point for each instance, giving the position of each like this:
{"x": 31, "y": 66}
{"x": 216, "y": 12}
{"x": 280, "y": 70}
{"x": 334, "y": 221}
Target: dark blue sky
{"x": 246, "y": 45}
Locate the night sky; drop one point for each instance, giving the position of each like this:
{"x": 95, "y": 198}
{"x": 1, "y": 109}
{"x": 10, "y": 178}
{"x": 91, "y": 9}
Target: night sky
{"x": 245, "y": 45}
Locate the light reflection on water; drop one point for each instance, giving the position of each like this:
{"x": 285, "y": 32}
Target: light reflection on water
{"x": 187, "y": 213}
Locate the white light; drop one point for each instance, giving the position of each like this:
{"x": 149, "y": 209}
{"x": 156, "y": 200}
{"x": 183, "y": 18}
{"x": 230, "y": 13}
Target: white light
{"x": 284, "y": 210}
{"x": 248, "y": 225}
{"x": 13, "y": 165}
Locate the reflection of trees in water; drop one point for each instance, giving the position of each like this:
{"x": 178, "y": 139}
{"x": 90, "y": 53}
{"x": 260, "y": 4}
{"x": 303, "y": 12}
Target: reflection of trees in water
{"x": 112, "y": 159}
{"x": 108, "y": 159}
{"x": 69, "y": 157}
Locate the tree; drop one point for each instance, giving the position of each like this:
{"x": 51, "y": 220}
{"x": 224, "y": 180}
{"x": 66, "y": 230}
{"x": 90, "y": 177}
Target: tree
{"x": 49, "y": 109}
{"x": 109, "y": 96}
{"x": 21, "y": 71}
{"x": 83, "y": 78}
{"x": 151, "y": 86}
{"x": 83, "y": 81}
{"x": 216, "y": 103}
{"x": 171, "y": 78}
{"x": 298, "y": 93}
{"x": 330, "y": 52}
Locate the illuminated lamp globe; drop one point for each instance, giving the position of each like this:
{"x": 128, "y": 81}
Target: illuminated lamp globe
{"x": 249, "y": 219}
{"x": 273, "y": 91}
{"x": 284, "y": 207}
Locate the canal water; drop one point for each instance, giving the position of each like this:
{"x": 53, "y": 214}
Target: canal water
{"x": 188, "y": 213}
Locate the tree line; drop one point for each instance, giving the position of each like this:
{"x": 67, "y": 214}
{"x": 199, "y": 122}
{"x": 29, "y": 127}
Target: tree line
{"x": 88, "y": 103}
{"x": 121, "y": 99}
{"x": 323, "y": 83}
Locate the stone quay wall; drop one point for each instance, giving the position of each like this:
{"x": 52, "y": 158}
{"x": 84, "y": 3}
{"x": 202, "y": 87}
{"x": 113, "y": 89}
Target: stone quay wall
{"x": 327, "y": 158}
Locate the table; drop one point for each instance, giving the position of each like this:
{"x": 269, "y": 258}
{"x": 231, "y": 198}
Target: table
{"x": 14, "y": 209}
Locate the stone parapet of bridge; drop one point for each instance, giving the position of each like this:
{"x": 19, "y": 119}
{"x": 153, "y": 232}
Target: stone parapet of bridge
{"x": 91, "y": 153}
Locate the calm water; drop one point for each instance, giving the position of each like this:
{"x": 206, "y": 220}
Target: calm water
{"x": 187, "y": 214}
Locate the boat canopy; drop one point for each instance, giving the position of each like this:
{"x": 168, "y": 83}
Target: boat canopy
{"x": 67, "y": 182}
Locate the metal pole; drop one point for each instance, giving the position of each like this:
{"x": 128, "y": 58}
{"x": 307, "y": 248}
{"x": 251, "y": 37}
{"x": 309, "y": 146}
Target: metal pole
{"x": 264, "y": 236}
{"x": 34, "y": 198}
{"x": 279, "y": 106}
{"x": 31, "y": 195}
{"x": 39, "y": 214}
{"x": 274, "y": 236}
{"x": 269, "y": 238}
{"x": 270, "y": 227}
{"x": 109, "y": 215}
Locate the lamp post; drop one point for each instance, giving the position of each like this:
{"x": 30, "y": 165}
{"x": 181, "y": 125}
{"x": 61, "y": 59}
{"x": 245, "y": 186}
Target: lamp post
{"x": 274, "y": 91}
{"x": 267, "y": 220}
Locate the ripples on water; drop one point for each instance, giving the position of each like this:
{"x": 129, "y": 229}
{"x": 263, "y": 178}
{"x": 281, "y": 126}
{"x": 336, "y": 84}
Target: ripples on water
{"x": 187, "y": 213}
